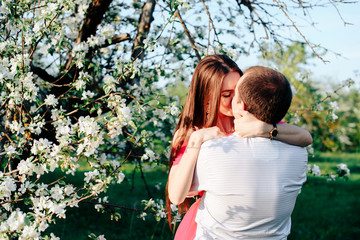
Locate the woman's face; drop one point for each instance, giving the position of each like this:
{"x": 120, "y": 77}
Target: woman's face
{"x": 227, "y": 93}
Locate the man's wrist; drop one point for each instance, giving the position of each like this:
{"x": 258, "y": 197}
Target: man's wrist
{"x": 273, "y": 132}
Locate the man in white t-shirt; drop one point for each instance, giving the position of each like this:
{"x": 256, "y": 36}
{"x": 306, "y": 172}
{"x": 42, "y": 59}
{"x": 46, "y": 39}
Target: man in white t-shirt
{"x": 250, "y": 184}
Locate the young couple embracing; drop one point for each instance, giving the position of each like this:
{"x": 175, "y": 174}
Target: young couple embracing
{"x": 231, "y": 148}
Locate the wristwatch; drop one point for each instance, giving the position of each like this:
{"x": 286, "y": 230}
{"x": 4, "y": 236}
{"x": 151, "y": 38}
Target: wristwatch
{"x": 273, "y": 132}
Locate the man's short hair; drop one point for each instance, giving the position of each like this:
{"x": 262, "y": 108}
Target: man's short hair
{"x": 266, "y": 94}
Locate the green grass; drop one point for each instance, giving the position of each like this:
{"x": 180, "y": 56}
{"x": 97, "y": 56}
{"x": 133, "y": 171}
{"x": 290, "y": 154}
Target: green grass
{"x": 324, "y": 210}
{"x": 327, "y": 210}
{"x": 82, "y": 221}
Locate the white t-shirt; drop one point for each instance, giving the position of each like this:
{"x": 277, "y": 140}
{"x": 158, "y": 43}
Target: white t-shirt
{"x": 250, "y": 184}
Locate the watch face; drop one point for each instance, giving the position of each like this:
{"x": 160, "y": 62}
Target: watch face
{"x": 274, "y": 133}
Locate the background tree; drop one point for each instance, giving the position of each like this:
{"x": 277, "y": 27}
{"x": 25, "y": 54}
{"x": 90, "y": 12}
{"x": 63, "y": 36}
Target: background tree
{"x": 81, "y": 87}
{"x": 324, "y": 111}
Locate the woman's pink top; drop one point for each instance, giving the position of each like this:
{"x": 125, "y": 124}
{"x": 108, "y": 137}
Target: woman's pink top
{"x": 180, "y": 153}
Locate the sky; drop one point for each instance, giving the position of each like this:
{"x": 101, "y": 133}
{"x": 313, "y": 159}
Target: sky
{"x": 332, "y": 34}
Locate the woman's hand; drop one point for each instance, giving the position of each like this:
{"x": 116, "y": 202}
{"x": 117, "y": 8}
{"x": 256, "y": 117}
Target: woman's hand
{"x": 205, "y": 134}
{"x": 249, "y": 126}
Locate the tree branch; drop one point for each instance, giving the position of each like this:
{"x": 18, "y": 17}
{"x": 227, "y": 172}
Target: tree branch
{"x": 117, "y": 39}
{"x": 177, "y": 14}
{"x": 297, "y": 29}
{"x": 145, "y": 20}
{"x": 93, "y": 17}
{"x": 211, "y": 22}
{"x": 43, "y": 74}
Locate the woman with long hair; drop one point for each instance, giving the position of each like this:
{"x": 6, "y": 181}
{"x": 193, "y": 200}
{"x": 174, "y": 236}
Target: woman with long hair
{"x": 206, "y": 115}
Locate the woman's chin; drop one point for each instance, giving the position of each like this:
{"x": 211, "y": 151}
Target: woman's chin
{"x": 227, "y": 114}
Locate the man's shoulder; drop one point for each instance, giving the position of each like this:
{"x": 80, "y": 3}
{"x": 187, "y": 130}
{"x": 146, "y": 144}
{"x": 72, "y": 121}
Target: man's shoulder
{"x": 222, "y": 141}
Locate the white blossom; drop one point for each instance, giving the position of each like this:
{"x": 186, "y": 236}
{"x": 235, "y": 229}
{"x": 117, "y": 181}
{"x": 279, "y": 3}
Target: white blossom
{"x": 121, "y": 177}
{"x": 68, "y": 190}
{"x": 334, "y": 105}
{"x": 26, "y": 167}
{"x": 7, "y": 186}
{"x": 91, "y": 175}
{"x": 79, "y": 84}
{"x": 343, "y": 167}
{"x": 16, "y": 220}
{"x": 29, "y": 233}
{"x": 316, "y": 170}
{"x": 148, "y": 155}
{"x": 101, "y": 237}
{"x": 174, "y": 110}
{"x": 143, "y": 215}
{"x": 51, "y": 100}
{"x": 10, "y": 150}
{"x": 53, "y": 237}
{"x": 88, "y": 125}
{"x": 58, "y": 209}
{"x": 42, "y": 190}
{"x": 57, "y": 193}
{"x": 107, "y": 31}
{"x": 43, "y": 225}
{"x": 333, "y": 117}
{"x": 87, "y": 94}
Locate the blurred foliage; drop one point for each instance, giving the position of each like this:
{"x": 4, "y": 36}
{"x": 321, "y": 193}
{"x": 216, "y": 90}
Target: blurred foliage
{"x": 327, "y": 111}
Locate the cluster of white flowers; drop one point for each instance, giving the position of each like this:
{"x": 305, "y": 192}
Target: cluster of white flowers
{"x": 7, "y": 186}
{"x": 109, "y": 83}
{"x": 148, "y": 155}
{"x": 176, "y": 217}
{"x": 101, "y": 201}
{"x": 342, "y": 167}
{"x": 80, "y": 83}
{"x": 333, "y": 108}
{"x": 310, "y": 150}
{"x": 315, "y": 169}
{"x": 93, "y": 135}
{"x": 51, "y": 100}
{"x": 44, "y": 32}
{"x": 19, "y": 88}
{"x": 155, "y": 205}
{"x": 123, "y": 115}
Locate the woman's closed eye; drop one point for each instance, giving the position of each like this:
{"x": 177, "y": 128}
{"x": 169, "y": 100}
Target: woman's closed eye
{"x": 226, "y": 94}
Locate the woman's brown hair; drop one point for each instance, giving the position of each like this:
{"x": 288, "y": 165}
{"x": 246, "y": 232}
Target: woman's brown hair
{"x": 201, "y": 106}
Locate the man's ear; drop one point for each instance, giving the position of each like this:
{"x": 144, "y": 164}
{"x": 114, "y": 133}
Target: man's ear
{"x": 238, "y": 109}
{"x": 242, "y": 105}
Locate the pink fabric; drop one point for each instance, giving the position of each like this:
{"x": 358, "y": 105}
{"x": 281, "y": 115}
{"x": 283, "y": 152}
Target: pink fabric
{"x": 187, "y": 227}
{"x": 180, "y": 153}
